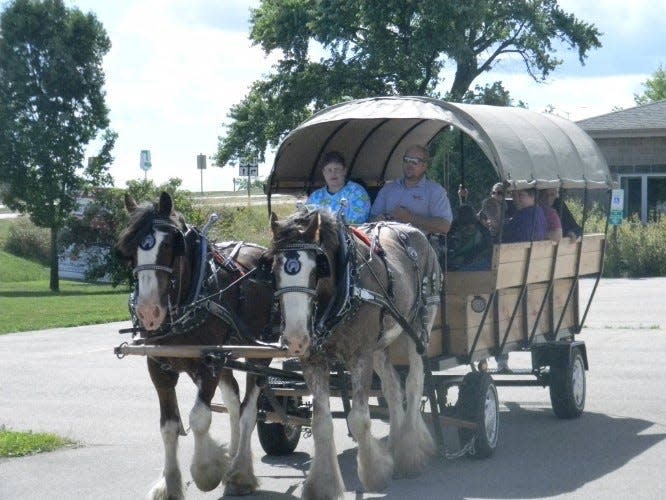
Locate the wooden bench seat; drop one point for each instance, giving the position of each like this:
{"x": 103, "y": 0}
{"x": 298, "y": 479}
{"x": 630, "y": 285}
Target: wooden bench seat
{"x": 543, "y": 305}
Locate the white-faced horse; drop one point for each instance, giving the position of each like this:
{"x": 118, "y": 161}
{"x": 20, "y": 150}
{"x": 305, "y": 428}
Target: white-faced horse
{"x": 189, "y": 292}
{"x": 345, "y": 295}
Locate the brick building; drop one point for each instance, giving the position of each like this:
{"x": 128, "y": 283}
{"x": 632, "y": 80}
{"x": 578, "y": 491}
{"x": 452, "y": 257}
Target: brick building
{"x": 633, "y": 142}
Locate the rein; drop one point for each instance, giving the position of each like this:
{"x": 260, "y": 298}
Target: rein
{"x": 195, "y": 311}
{"x": 350, "y": 294}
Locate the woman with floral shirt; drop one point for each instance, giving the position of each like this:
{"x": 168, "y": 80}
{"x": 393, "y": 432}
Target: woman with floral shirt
{"x": 338, "y": 188}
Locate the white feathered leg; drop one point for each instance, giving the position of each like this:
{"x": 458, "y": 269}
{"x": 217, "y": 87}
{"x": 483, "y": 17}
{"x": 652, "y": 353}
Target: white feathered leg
{"x": 170, "y": 485}
{"x": 232, "y": 402}
{"x": 393, "y": 394}
{"x": 374, "y": 464}
{"x": 240, "y": 479}
{"x": 324, "y": 481}
{"x": 210, "y": 461}
{"x": 414, "y": 444}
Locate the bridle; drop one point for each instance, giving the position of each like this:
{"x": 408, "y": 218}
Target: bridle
{"x": 323, "y": 267}
{"x": 175, "y": 281}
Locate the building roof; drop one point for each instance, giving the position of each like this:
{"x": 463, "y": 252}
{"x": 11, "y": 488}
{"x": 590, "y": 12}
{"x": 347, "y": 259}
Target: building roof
{"x": 648, "y": 120}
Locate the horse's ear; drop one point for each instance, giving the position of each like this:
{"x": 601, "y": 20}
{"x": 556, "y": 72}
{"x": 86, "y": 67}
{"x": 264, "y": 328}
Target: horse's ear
{"x": 166, "y": 204}
{"x": 311, "y": 233}
{"x": 130, "y": 203}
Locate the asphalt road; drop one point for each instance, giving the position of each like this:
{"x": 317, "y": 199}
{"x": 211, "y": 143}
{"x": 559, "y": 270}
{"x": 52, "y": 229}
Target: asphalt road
{"x": 69, "y": 382}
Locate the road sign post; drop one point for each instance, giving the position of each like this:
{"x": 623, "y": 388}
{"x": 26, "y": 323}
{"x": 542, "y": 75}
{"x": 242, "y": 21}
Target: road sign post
{"x": 145, "y": 163}
{"x": 250, "y": 170}
{"x": 201, "y": 165}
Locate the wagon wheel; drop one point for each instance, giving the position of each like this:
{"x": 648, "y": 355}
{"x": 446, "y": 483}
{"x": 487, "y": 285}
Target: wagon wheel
{"x": 567, "y": 386}
{"x": 478, "y": 403}
{"x": 277, "y": 439}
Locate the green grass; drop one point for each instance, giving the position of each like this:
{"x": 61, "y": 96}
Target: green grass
{"x": 76, "y": 304}
{"x": 14, "y": 269}
{"x": 24, "y": 285}
{"x": 5, "y": 224}
{"x": 19, "y": 444}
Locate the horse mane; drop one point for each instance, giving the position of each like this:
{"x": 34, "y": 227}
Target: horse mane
{"x": 140, "y": 224}
{"x": 293, "y": 227}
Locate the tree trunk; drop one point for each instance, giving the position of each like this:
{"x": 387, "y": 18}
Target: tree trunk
{"x": 466, "y": 72}
{"x": 55, "y": 283}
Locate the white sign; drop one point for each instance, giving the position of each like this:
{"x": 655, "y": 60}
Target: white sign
{"x": 145, "y": 162}
{"x": 201, "y": 162}
{"x": 248, "y": 170}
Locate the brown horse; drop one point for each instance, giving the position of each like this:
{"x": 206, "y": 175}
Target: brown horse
{"x": 190, "y": 292}
{"x": 345, "y": 296}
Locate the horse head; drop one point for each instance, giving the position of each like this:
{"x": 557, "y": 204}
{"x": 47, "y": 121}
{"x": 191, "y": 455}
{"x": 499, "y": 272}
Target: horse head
{"x": 156, "y": 246}
{"x": 304, "y": 246}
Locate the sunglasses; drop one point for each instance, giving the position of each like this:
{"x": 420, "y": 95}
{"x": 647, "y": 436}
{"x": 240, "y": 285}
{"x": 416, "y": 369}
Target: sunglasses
{"x": 411, "y": 160}
{"x": 499, "y": 193}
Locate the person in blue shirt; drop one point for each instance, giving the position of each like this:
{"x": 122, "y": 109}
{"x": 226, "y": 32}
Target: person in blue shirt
{"x": 529, "y": 222}
{"x": 338, "y": 188}
{"x": 414, "y": 199}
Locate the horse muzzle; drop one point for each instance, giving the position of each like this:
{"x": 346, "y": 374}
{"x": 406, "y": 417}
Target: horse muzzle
{"x": 297, "y": 344}
{"x": 151, "y": 316}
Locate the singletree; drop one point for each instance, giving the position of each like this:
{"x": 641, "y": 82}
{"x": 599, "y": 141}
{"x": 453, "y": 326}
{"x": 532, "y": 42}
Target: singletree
{"x": 333, "y": 50}
{"x": 52, "y": 105}
{"x": 654, "y": 88}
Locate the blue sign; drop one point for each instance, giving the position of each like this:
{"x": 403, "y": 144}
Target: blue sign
{"x": 617, "y": 207}
{"x": 145, "y": 162}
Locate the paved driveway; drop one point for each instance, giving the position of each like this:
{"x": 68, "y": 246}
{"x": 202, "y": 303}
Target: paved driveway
{"x": 68, "y": 381}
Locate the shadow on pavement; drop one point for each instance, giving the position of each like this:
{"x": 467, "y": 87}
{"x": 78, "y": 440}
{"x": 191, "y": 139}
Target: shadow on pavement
{"x": 538, "y": 456}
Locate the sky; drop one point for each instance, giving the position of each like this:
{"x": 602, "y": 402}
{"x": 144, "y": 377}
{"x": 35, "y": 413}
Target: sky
{"x": 177, "y": 66}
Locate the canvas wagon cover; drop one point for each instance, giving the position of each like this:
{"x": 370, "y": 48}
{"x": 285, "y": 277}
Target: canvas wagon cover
{"x": 526, "y": 148}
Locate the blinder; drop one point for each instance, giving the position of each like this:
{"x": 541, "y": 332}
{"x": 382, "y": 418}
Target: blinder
{"x": 323, "y": 265}
{"x": 263, "y": 272}
{"x": 178, "y": 237}
{"x": 178, "y": 243}
{"x": 292, "y": 264}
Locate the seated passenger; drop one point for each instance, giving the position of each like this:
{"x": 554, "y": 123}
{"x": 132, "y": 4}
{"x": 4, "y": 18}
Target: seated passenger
{"x": 470, "y": 244}
{"x": 414, "y": 199}
{"x": 553, "y": 223}
{"x": 338, "y": 188}
{"x": 570, "y": 227}
{"x": 529, "y": 221}
{"x": 494, "y": 209}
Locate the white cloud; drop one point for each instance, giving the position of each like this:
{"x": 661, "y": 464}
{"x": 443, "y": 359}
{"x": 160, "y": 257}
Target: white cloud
{"x": 177, "y": 66}
{"x": 170, "y": 85}
{"x": 573, "y": 98}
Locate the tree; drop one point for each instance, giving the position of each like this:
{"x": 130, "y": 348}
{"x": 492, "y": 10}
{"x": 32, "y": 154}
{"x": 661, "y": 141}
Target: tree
{"x": 654, "y": 88}
{"x": 102, "y": 221}
{"x": 464, "y": 161}
{"x": 387, "y": 47}
{"x": 51, "y": 107}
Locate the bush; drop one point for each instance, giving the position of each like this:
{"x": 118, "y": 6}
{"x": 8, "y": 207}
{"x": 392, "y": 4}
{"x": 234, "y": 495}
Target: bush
{"x": 636, "y": 250}
{"x": 28, "y": 241}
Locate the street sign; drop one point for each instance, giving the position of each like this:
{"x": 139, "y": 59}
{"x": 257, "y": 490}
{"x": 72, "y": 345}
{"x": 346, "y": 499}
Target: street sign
{"x": 201, "y": 162}
{"x": 616, "y": 207}
{"x": 248, "y": 170}
{"x": 145, "y": 162}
